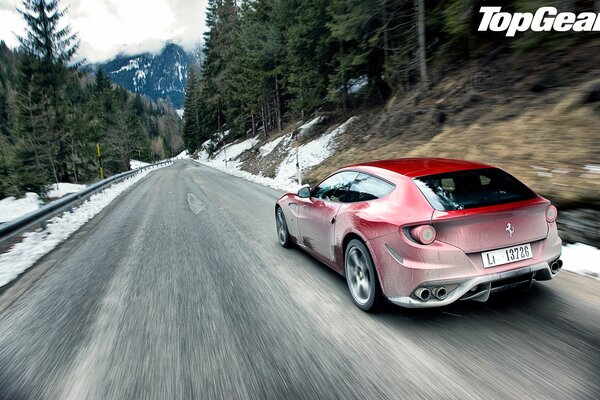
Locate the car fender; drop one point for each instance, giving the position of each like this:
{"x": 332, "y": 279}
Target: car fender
{"x": 289, "y": 206}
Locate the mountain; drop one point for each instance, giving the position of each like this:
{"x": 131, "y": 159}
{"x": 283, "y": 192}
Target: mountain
{"x": 162, "y": 75}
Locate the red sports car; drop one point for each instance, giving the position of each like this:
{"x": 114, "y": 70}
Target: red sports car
{"x": 424, "y": 232}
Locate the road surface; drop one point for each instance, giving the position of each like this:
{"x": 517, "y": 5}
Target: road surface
{"x": 179, "y": 290}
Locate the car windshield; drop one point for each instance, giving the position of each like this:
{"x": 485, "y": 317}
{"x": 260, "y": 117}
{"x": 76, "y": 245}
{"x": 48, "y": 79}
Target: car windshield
{"x": 474, "y": 188}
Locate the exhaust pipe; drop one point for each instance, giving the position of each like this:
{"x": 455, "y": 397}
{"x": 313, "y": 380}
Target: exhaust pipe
{"x": 556, "y": 266}
{"x": 423, "y": 294}
{"x": 440, "y": 292}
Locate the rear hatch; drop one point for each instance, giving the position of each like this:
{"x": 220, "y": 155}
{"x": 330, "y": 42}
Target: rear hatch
{"x": 490, "y": 229}
{"x": 484, "y": 209}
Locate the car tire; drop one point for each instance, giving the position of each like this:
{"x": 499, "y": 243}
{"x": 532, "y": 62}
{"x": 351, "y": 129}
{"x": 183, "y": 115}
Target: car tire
{"x": 361, "y": 276}
{"x": 283, "y": 235}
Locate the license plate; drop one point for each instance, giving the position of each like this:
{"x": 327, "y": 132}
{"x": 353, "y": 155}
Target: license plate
{"x": 507, "y": 255}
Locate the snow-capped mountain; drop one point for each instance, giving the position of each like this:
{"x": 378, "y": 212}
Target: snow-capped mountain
{"x": 162, "y": 75}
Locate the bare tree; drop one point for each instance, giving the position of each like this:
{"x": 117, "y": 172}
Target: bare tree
{"x": 420, "y": 9}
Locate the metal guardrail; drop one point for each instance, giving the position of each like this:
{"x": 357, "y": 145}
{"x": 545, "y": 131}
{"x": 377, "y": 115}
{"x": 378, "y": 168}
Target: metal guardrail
{"x": 17, "y": 226}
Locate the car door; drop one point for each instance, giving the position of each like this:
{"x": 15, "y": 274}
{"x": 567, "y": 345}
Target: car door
{"x": 316, "y": 221}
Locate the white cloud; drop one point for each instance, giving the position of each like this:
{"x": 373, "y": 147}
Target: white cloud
{"x": 109, "y": 27}
{"x": 10, "y": 21}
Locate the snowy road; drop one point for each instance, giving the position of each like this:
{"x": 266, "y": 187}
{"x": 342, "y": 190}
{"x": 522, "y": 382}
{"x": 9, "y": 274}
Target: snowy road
{"x": 179, "y": 290}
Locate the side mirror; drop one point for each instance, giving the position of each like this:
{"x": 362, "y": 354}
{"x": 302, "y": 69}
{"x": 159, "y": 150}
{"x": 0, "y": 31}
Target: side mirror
{"x": 304, "y": 192}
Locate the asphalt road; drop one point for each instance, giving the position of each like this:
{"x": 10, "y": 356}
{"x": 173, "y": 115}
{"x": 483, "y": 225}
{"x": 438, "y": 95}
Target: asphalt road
{"x": 179, "y": 290}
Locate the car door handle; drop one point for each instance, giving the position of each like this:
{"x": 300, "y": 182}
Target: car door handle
{"x": 333, "y": 220}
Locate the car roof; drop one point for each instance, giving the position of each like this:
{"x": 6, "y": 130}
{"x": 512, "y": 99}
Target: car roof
{"x": 416, "y": 167}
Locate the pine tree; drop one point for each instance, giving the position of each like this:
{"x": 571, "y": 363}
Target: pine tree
{"x": 48, "y": 50}
{"x": 308, "y": 55}
{"x": 221, "y": 18}
{"x": 191, "y": 128}
{"x": 248, "y": 71}
{"x": 44, "y": 39}
{"x": 101, "y": 81}
{"x": 366, "y": 35}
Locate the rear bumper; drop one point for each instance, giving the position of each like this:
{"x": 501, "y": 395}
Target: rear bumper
{"x": 478, "y": 288}
{"x": 403, "y": 267}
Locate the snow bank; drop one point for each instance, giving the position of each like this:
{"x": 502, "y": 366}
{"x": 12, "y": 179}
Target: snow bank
{"x": 582, "y": 259}
{"x": 231, "y": 151}
{"x": 63, "y": 188}
{"x": 183, "y": 155}
{"x": 135, "y": 164}
{"x": 285, "y": 186}
{"x": 11, "y": 208}
{"x": 311, "y": 154}
{"x": 356, "y": 85}
{"x": 268, "y": 147}
{"x": 36, "y": 244}
{"x": 309, "y": 125}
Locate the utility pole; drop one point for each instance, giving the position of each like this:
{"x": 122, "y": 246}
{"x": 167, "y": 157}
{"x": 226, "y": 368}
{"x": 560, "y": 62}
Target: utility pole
{"x": 100, "y": 161}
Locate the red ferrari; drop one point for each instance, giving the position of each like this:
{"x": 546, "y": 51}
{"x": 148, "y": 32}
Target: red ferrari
{"x": 424, "y": 232}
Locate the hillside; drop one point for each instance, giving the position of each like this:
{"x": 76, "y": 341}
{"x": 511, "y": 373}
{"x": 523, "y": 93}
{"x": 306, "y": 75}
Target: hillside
{"x": 535, "y": 115}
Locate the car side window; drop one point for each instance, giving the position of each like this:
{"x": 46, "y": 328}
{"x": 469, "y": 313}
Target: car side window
{"x": 367, "y": 187}
{"x": 334, "y": 187}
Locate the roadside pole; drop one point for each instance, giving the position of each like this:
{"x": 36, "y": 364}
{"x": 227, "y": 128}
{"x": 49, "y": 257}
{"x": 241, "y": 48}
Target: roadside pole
{"x": 100, "y": 161}
{"x": 298, "y": 170}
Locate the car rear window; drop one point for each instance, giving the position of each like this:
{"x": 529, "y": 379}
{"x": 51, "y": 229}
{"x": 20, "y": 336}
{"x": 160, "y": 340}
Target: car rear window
{"x": 462, "y": 190}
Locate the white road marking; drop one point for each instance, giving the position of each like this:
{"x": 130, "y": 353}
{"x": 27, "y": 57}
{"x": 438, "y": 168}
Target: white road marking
{"x": 196, "y": 205}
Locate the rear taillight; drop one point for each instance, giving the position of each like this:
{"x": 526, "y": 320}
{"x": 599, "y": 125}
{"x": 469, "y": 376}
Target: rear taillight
{"x": 551, "y": 213}
{"x": 424, "y": 234}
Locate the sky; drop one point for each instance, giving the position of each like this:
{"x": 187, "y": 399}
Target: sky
{"x": 109, "y": 27}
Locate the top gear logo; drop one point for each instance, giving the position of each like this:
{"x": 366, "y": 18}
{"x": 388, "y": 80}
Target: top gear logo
{"x": 544, "y": 19}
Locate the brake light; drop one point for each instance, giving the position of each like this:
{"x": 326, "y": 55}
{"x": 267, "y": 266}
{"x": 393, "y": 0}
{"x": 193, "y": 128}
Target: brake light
{"x": 424, "y": 234}
{"x": 551, "y": 213}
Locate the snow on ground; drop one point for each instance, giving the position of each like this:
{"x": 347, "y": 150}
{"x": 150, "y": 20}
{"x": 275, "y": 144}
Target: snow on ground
{"x": 183, "y": 155}
{"x": 310, "y": 154}
{"x": 11, "y": 208}
{"x": 231, "y": 151}
{"x": 63, "y": 188}
{"x": 268, "y": 147}
{"x": 261, "y": 180}
{"x": 309, "y": 125}
{"x": 134, "y": 164}
{"x": 36, "y": 244}
{"x": 582, "y": 259}
{"x": 356, "y": 85}
{"x": 179, "y": 112}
